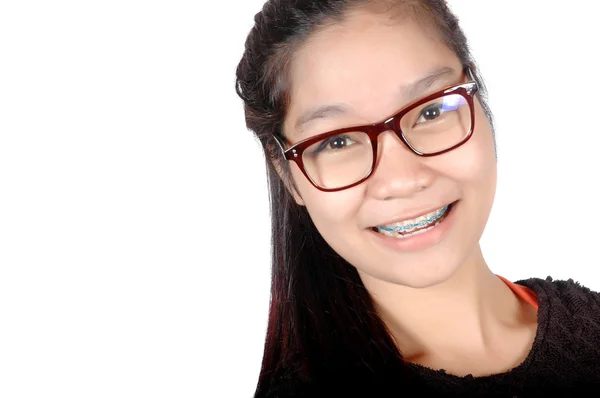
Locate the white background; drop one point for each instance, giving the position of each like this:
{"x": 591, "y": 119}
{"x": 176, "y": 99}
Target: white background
{"x": 121, "y": 141}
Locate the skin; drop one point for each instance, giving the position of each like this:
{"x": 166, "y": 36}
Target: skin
{"x": 443, "y": 305}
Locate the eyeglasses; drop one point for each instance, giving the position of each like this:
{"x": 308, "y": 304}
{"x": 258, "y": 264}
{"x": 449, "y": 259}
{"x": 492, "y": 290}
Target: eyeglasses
{"x": 346, "y": 157}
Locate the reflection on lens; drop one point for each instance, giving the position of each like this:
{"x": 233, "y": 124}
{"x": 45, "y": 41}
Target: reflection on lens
{"x": 438, "y": 124}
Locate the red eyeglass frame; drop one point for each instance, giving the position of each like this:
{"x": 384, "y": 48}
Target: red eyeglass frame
{"x": 466, "y": 90}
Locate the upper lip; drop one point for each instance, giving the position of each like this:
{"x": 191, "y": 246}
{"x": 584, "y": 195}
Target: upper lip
{"x": 409, "y": 215}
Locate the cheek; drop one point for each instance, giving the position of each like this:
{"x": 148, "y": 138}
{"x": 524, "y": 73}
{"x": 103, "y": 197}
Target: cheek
{"x": 328, "y": 210}
{"x": 473, "y": 168}
{"x": 475, "y": 161}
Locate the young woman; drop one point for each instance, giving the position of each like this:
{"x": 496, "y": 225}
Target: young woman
{"x": 382, "y": 170}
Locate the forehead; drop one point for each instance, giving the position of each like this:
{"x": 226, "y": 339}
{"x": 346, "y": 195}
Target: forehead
{"x": 361, "y": 64}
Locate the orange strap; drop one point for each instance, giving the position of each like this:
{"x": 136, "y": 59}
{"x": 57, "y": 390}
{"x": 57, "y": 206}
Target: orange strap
{"x": 522, "y": 291}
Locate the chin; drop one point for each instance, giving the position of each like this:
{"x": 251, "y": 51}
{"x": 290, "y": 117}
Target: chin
{"x": 416, "y": 277}
{"x": 424, "y": 281}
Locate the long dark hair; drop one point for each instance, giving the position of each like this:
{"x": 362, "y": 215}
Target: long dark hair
{"x": 321, "y": 316}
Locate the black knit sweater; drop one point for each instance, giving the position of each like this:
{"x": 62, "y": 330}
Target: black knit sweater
{"x": 564, "y": 360}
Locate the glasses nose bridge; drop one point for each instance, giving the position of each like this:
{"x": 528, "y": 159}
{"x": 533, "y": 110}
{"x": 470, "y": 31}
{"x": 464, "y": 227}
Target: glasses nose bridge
{"x": 390, "y": 124}
{"x": 387, "y": 125}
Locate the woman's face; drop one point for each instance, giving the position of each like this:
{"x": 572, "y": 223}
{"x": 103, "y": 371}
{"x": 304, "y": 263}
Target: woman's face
{"x": 368, "y": 66}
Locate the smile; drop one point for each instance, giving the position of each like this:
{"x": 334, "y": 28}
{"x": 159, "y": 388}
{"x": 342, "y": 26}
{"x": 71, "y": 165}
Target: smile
{"x": 416, "y": 226}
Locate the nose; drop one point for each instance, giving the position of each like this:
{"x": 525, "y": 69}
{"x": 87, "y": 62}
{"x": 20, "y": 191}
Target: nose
{"x": 399, "y": 172}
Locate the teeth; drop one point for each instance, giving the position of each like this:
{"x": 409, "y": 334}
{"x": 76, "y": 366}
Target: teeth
{"x": 404, "y": 236}
{"x": 408, "y": 226}
{"x": 388, "y": 233}
{"x": 406, "y": 229}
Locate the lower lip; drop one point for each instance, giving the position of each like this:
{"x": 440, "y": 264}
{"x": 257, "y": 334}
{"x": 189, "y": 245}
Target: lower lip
{"x": 421, "y": 241}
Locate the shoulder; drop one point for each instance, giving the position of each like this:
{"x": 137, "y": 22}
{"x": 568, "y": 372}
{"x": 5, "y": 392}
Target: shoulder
{"x": 287, "y": 383}
{"x": 279, "y": 389}
{"x": 568, "y": 295}
{"x": 332, "y": 381}
{"x": 568, "y": 324}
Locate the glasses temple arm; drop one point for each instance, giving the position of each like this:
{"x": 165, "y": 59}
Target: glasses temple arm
{"x": 279, "y": 144}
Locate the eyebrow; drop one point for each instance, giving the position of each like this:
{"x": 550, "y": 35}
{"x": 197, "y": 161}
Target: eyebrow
{"x": 410, "y": 92}
{"x": 414, "y": 90}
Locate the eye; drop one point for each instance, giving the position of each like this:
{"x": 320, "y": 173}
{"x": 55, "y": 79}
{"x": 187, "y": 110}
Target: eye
{"x": 430, "y": 112}
{"x": 334, "y": 143}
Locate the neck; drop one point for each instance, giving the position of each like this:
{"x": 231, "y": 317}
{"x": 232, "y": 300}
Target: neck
{"x": 465, "y": 313}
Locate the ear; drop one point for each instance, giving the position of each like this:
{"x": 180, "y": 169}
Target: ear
{"x": 288, "y": 182}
